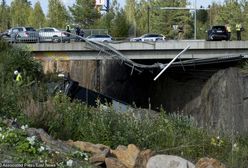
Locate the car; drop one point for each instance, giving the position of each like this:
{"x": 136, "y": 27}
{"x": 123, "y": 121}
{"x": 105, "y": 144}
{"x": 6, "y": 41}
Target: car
{"x": 149, "y": 37}
{"x": 217, "y": 33}
{"x": 100, "y": 38}
{"x": 52, "y": 34}
{"x": 5, "y": 34}
{"x": 23, "y": 34}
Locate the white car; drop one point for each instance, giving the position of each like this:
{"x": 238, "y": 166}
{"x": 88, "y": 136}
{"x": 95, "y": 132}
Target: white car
{"x": 100, "y": 37}
{"x": 52, "y": 34}
{"x": 149, "y": 37}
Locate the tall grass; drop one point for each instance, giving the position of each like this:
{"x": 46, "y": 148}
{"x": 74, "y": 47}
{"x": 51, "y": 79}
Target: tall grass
{"x": 168, "y": 134}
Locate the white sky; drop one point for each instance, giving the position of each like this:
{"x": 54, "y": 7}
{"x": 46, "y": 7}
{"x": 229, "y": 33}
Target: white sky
{"x": 44, "y": 3}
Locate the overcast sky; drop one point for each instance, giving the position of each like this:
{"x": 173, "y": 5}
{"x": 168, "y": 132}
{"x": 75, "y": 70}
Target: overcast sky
{"x": 44, "y": 3}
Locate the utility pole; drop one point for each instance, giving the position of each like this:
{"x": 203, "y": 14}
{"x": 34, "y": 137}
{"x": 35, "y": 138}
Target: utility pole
{"x": 148, "y": 19}
{"x": 195, "y": 22}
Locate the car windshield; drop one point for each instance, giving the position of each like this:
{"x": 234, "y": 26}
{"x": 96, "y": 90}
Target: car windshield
{"x": 99, "y": 36}
{"x": 30, "y": 29}
{"x": 152, "y": 35}
{"x": 219, "y": 28}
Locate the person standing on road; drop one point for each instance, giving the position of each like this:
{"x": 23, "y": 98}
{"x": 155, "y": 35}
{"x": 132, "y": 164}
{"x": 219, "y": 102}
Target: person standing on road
{"x": 229, "y": 31}
{"x": 68, "y": 30}
{"x": 238, "y": 30}
{"x": 78, "y": 30}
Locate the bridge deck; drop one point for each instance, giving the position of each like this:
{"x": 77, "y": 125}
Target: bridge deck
{"x": 138, "y": 50}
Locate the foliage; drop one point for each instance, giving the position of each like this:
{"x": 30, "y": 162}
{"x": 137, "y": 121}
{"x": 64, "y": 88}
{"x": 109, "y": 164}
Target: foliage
{"x": 20, "y": 11}
{"x": 57, "y": 15}
{"x": 5, "y": 16}
{"x": 10, "y": 60}
{"x": 115, "y": 21}
{"x": 37, "y": 13}
{"x": 132, "y": 21}
{"x": 84, "y": 13}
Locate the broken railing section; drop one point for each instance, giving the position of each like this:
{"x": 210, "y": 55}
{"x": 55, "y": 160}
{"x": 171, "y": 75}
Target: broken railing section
{"x": 111, "y": 51}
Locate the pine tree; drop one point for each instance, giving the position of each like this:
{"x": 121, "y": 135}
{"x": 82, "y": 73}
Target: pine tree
{"x": 4, "y": 19}
{"x": 84, "y": 13}
{"x": 130, "y": 12}
{"x": 37, "y": 18}
{"x": 119, "y": 25}
{"x": 142, "y": 18}
{"x": 57, "y": 15}
{"x": 162, "y": 21}
{"x": 20, "y": 11}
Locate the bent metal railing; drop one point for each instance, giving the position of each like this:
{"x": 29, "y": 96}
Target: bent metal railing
{"x": 102, "y": 47}
{"x": 115, "y": 54}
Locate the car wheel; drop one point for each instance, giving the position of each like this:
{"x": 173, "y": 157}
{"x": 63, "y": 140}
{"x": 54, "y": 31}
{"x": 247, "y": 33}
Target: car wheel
{"x": 56, "y": 39}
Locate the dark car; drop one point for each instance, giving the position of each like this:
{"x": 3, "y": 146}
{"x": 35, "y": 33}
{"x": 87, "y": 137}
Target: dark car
{"x": 23, "y": 34}
{"x": 217, "y": 33}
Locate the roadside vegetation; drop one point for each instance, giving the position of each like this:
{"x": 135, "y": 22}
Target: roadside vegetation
{"x": 63, "y": 119}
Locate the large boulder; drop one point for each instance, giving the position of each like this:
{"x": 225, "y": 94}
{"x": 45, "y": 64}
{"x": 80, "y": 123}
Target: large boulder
{"x": 127, "y": 155}
{"x": 99, "y": 158}
{"x": 55, "y": 145}
{"x": 143, "y": 158}
{"x": 209, "y": 163}
{"x": 114, "y": 163}
{"x": 168, "y": 161}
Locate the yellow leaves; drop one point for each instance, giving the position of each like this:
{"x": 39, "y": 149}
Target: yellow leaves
{"x": 217, "y": 141}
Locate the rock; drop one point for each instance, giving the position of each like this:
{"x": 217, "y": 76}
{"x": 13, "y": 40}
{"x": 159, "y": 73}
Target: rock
{"x": 143, "y": 158}
{"x": 114, "y": 163}
{"x": 99, "y": 158}
{"x": 209, "y": 163}
{"x": 127, "y": 155}
{"x": 87, "y": 146}
{"x": 168, "y": 161}
{"x": 55, "y": 145}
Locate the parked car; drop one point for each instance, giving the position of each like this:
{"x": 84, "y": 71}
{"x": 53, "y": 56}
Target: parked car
{"x": 149, "y": 37}
{"x": 23, "y": 34}
{"x": 100, "y": 37}
{"x": 5, "y": 34}
{"x": 52, "y": 34}
{"x": 217, "y": 33}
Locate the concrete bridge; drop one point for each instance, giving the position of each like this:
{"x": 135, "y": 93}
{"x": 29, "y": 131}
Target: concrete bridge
{"x": 210, "y": 88}
{"x": 140, "y": 50}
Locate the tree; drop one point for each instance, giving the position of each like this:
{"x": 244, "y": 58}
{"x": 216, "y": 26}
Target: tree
{"x": 115, "y": 21}
{"x": 84, "y": 13}
{"x": 4, "y": 19}
{"x": 162, "y": 21}
{"x": 119, "y": 25}
{"x": 57, "y": 15}
{"x": 130, "y": 12}
{"x": 20, "y": 11}
{"x": 37, "y": 18}
{"x": 142, "y": 18}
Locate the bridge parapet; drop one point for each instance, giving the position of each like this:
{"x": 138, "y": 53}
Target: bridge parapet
{"x": 146, "y": 50}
